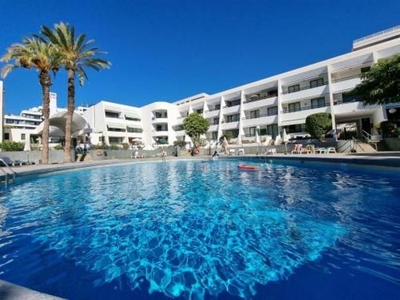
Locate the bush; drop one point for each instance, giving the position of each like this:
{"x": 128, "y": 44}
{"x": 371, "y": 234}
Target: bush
{"x": 58, "y": 147}
{"x": 390, "y": 128}
{"x": 12, "y": 146}
{"x": 318, "y": 124}
{"x": 114, "y": 147}
{"x": 125, "y": 146}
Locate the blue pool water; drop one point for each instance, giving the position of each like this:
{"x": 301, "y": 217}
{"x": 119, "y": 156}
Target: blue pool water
{"x": 205, "y": 230}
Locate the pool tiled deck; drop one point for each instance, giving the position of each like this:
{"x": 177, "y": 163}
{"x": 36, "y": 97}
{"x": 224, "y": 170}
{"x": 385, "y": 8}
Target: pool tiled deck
{"x": 9, "y": 291}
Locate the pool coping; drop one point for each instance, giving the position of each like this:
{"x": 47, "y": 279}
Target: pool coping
{"x": 10, "y": 291}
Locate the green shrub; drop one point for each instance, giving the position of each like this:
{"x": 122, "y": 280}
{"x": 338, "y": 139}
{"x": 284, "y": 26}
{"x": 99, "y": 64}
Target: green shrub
{"x": 318, "y": 124}
{"x": 390, "y": 128}
{"x": 58, "y": 147}
{"x": 12, "y": 146}
{"x": 125, "y": 146}
{"x": 114, "y": 147}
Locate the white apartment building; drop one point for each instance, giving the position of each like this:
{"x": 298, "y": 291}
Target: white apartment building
{"x": 262, "y": 108}
{"x": 285, "y": 100}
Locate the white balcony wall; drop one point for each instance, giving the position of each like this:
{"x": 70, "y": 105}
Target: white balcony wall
{"x": 309, "y": 93}
{"x": 260, "y": 121}
{"x": 231, "y": 110}
{"x": 159, "y": 120}
{"x": 299, "y": 117}
{"x": 273, "y": 101}
{"x": 180, "y": 133}
{"x": 231, "y": 125}
{"x": 345, "y": 85}
{"x": 345, "y": 108}
{"x": 159, "y": 133}
{"x": 213, "y": 128}
{"x": 211, "y": 114}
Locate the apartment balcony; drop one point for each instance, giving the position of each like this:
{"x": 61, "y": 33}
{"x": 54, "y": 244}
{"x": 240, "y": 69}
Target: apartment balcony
{"x": 230, "y": 125}
{"x": 155, "y": 120}
{"x": 115, "y": 133}
{"x": 271, "y": 101}
{"x": 213, "y": 127}
{"x": 231, "y": 109}
{"x": 262, "y": 119}
{"x": 180, "y": 133}
{"x": 211, "y": 113}
{"x": 299, "y": 117}
{"x": 345, "y": 83}
{"x": 306, "y": 92}
{"x": 160, "y": 133}
{"x": 354, "y": 108}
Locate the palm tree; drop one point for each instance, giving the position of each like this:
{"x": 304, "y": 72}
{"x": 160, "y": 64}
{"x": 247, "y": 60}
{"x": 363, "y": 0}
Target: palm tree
{"x": 35, "y": 53}
{"x": 77, "y": 54}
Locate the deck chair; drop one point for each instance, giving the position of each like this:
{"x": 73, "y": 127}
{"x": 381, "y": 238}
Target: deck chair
{"x": 5, "y": 161}
{"x": 331, "y": 150}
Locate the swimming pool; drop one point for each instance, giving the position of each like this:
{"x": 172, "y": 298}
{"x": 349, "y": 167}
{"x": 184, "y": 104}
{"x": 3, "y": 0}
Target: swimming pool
{"x": 204, "y": 229}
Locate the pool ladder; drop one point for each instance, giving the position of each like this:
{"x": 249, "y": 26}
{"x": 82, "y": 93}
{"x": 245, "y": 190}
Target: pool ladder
{"x": 7, "y": 174}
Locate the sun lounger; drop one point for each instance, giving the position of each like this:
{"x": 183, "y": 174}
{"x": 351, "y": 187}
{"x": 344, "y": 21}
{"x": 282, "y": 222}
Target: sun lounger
{"x": 6, "y": 161}
{"x": 331, "y": 150}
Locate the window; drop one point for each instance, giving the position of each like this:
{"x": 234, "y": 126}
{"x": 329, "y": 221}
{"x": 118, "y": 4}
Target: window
{"x": 294, "y": 107}
{"x": 136, "y": 130}
{"x": 215, "y": 121}
{"x": 254, "y": 114}
{"x": 23, "y": 137}
{"x": 294, "y": 88}
{"x": 115, "y": 140}
{"x": 6, "y": 136}
{"x": 110, "y": 114}
{"x": 317, "y": 82}
{"x": 296, "y": 128}
{"x": 319, "y": 102}
{"x": 252, "y": 131}
{"x": 214, "y": 135}
{"x": 234, "y": 132}
{"x": 272, "y": 111}
{"x": 365, "y": 69}
{"x": 348, "y": 97}
{"x": 232, "y": 118}
{"x": 217, "y": 106}
{"x": 272, "y": 130}
{"x": 272, "y": 93}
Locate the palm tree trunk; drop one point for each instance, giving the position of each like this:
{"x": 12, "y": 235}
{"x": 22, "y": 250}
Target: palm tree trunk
{"x": 45, "y": 82}
{"x": 70, "y": 113}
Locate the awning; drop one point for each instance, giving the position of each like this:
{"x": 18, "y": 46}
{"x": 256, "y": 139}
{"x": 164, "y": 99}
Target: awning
{"x": 134, "y": 126}
{"x": 293, "y": 122}
{"x": 116, "y": 126}
{"x": 132, "y": 115}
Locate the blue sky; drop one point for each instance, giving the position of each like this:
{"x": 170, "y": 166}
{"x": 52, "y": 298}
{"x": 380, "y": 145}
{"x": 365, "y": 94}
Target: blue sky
{"x": 167, "y": 50}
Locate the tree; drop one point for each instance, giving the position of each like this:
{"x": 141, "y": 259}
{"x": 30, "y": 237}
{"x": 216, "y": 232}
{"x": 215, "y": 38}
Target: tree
{"x": 34, "y": 53}
{"x": 195, "y": 125}
{"x": 318, "y": 124}
{"x": 76, "y": 54}
{"x": 381, "y": 84}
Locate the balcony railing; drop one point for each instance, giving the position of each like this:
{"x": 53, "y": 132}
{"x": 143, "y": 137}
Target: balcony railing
{"x": 346, "y": 78}
{"x": 258, "y": 116}
{"x": 305, "y": 88}
{"x": 254, "y": 98}
{"x": 288, "y": 111}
